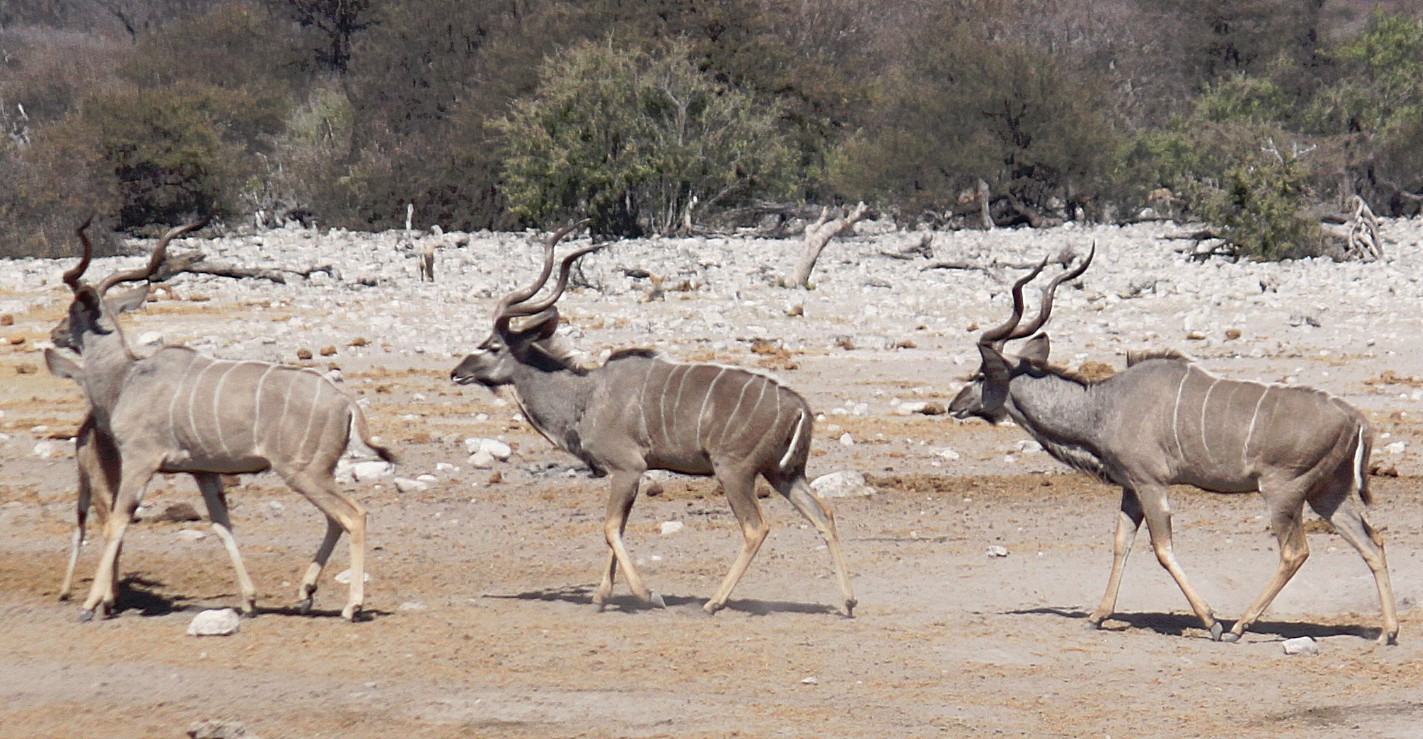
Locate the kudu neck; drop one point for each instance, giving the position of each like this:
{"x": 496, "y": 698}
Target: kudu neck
{"x": 1055, "y": 410}
{"x": 553, "y": 400}
{"x": 107, "y": 361}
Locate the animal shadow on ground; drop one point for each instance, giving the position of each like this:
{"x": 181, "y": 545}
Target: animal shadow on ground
{"x": 1177, "y": 624}
{"x": 583, "y": 595}
{"x": 366, "y": 614}
{"x": 137, "y": 593}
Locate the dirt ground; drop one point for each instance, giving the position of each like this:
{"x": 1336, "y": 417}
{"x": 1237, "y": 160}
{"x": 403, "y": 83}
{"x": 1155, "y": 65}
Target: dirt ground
{"x": 479, "y": 602}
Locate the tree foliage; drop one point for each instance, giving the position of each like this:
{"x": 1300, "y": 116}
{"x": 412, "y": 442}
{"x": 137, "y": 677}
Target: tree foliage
{"x": 638, "y": 141}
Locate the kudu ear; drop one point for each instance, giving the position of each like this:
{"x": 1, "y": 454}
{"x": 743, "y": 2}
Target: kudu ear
{"x": 996, "y": 375}
{"x": 127, "y": 300}
{"x": 541, "y": 326}
{"x": 65, "y": 364}
{"x": 1036, "y": 350}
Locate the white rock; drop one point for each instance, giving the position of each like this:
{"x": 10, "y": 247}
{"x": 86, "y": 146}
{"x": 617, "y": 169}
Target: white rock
{"x": 496, "y": 449}
{"x": 219, "y": 622}
{"x": 997, "y": 551}
{"x": 846, "y": 439}
{"x": 150, "y": 340}
{"x": 1300, "y": 645}
{"x": 1396, "y": 447}
{"x": 445, "y": 467}
{"x": 370, "y": 469}
{"x": 45, "y": 449}
{"x": 948, "y": 453}
{"x": 407, "y": 485}
{"x": 910, "y": 408}
{"x": 481, "y": 460}
{"x": 843, "y": 484}
{"x": 191, "y": 535}
{"x": 344, "y": 577}
{"x": 1027, "y": 446}
{"x": 670, "y": 527}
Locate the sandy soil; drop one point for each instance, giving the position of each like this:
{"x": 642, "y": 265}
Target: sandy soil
{"x": 479, "y": 600}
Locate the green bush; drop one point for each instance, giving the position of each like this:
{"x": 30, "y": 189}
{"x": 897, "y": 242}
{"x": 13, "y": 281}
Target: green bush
{"x": 639, "y": 142}
{"x": 1259, "y": 206}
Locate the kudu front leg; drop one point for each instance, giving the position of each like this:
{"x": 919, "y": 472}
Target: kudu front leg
{"x": 211, "y": 486}
{"x": 1128, "y": 522}
{"x": 103, "y": 592}
{"x": 623, "y": 491}
{"x": 1158, "y": 524}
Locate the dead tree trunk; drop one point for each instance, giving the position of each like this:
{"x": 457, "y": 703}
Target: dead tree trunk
{"x": 817, "y": 235}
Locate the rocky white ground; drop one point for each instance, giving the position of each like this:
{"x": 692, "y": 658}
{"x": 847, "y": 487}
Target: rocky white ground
{"x": 481, "y": 580}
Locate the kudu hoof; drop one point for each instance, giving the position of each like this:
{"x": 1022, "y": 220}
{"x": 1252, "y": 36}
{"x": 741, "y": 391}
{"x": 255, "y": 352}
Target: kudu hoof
{"x": 1092, "y": 625}
{"x": 657, "y": 601}
{"x": 1218, "y": 633}
{"x": 86, "y": 615}
{"x": 850, "y": 607}
{"x": 304, "y": 607}
{"x": 351, "y": 613}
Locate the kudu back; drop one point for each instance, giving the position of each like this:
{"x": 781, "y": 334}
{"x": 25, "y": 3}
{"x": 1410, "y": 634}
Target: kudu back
{"x": 178, "y": 410}
{"x": 1166, "y": 421}
{"x": 639, "y": 411}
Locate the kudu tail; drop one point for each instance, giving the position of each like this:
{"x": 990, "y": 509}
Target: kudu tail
{"x": 1362, "y": 447}
{"x": 801, "y": 437}
{"x": 359, "y": 432}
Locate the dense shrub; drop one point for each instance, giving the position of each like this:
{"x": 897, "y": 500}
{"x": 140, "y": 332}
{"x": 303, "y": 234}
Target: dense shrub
{"x": 638, "y": 142}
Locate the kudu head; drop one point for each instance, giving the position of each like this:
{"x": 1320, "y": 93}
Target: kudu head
{"x": 986, "y": 396}
{"x": 93, "y": 312}
{"x": 493, "y": 362}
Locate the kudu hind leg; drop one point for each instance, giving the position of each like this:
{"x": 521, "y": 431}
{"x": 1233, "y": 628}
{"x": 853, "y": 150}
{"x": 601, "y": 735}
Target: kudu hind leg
{"x": 1128, "y": 522}
{"x": 797, "y": 491}
{"x": 1294, "y": 550}
{"x": 81, "y": 516}
{"x": 211, "y": 486}
{"x": 342, "y": 514}
{"x": 740, "y": 489}
{"x": 1349, "y": 521}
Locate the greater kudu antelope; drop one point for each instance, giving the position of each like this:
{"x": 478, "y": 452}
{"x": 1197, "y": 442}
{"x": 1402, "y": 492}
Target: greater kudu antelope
{"x": 180, "y": 411}
{"x": 639, "y": 411}
{"x": 1166, "y": 421}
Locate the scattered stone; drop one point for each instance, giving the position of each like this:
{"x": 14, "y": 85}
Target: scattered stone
{"x": 328, "y": 350}
{"x": 344, "y": 577}
{"x": 191, "y": 535}
{"x": 218, "y": 729}
{"x": 7, "y": 319}
{"x": 1300, "y": 645}
{"x": 1027, "y": 446}
{"x": 303, "y": 354}
{"x": 997, "y": 550}
{"x": 45, "y": 449}
{"x": 218, "y": 622}
{"x": 1231, "y": 334}
{"x": 670, "y": 527}
{"x": 412, "y": 605}
{"x": 481, "y": 460}
{"x": 1396, "y": 447}
{"x": 846, "y": 439}
{"x": 843, "y": 484}
{"x": 810, "y": 680}
{"x": 370, "y": 469}
{"x": 179, "y": 513}
{"x": 407, "y": 485}
{"x": 948, "y": 453}
{"x": 653, "y": 488}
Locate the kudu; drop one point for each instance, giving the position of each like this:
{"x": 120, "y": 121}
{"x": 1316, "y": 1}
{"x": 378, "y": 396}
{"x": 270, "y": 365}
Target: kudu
{"x": 180, "y": 411}
{"x": 1166, "y": 421}
{"x": 638, "y": 411}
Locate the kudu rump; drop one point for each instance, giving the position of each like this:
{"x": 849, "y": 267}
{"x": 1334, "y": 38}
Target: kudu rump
{"x": 639, "y": 411}
{"x": 180, "y": 411}
{"x": 1165, "y": 421}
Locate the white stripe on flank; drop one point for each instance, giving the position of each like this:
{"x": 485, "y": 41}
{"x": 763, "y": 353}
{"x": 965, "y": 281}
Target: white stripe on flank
{"x": 751, "y": 416}
{"x": 1204, "y": 403}
{"x": 173, "y": 400}
{"x": 795, "y": 439}
{"x": 257, "y": 408}
{"x": 1176, "y": 415}
{"x": 677, "y": 404}
{"x": 311, "y": 414}
{"x": 216, "y": 420}
{"x": 642, "y": 403}
{"x": 737, "y": 408}
{"x": 192, "y": 400}
{"x": 662, "y": 403}
{"x": 286, "y": 401}
{"x": 703, "y": 411}
{"x": 1245, "y": 454}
